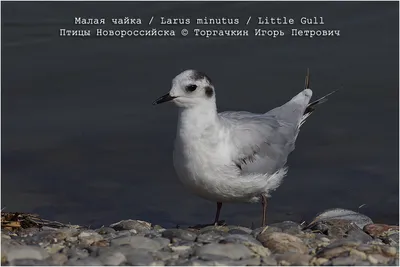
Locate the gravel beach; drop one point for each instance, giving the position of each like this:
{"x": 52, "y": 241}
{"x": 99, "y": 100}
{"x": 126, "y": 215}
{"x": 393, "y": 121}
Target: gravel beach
{"x": 334, "y": 237}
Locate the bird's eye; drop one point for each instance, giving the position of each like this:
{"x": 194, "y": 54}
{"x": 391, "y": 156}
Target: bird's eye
{"x": 191, "y": 87}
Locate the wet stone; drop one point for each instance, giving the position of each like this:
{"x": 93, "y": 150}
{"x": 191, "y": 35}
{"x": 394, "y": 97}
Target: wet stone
{"x": 112, "y": 258}
{"x": 232, "y": 251}
{"x": 214, "y": 228}
{"x": 89, "y": 261}
{"x": 25, "y": 252}
{"x": 58, "y": 259}
{"x": 358, "y": 235}
{"x": 140, "y": 258}
{"x": 362, "y": 263}
{"x": 239, "y": 230}
{"x": 29, "y": 262}
{"x": 268, "y": 261}
{"x": 259, "y": 250}
{"x": 333, "y": 252}
{"x": 265, "y": 230}
{"x": 106, "y": 231}
{"x": 211, "y": 236}
{"x": 137, "y": 225}
{"x": 294, "y": 258}
{"x": 344, "y": 261}
{"x": 179, "y": 233}
{"x": 378, "y": 230}
{"x": 240, "y": 239}
{"x": 343, "y": 215}
{"x": 140, "y": 242}
{"x": 380, "y": 259}
{"x": 288, "y": 227}
{"x": 89, "y": 237}
{"x": 282, "y": 242}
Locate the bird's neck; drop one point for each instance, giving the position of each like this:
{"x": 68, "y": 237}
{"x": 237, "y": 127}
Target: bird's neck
{"x": 197, "y": 119}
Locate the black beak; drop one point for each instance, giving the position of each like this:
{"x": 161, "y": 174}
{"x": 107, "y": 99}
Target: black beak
{"x": 164, "y": 98}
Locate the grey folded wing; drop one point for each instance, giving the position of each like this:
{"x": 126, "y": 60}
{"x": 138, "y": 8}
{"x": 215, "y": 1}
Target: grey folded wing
{"x": 261, "y": 142}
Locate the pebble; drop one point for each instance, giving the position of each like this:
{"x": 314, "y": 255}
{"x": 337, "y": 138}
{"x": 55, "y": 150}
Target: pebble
{"x": 136, "y": 225}
{"x": 294, "y": 258}
{"x": 25, "y": 252}
{"x": 345, "y": 215}
{"x": 113, "y": 258}
{"x": 142, "y": 242}
{"x": 211, "y": 236}
{"x": 89, "y": 261}
{"x": 344, "y": 261}
{"x": 377, "y": 230}
{"x": 28, "y": 262}
{"x": 89, "y": 237}
{"x": 231, "y": 251}
{"x": 330, "y": 240}
{"x": 179, "y": 233}
{"x": 240, "y": 239}
{"x": 268, "y": 261}
{"x": 288, "y": 227}
{"x": 282, "y": 242}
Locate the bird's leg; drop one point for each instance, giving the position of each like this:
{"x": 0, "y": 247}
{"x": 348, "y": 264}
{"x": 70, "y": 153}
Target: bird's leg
{"x": 264, "y": 206}
{"x": 219, "y": 205}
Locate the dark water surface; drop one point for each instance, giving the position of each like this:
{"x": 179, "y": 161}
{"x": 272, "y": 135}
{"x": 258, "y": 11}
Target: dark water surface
{"x": 81, "y": 142}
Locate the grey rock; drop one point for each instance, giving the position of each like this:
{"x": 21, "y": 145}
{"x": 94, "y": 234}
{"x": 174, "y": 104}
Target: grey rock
{"x": 24, "y": 252}
{"x": 268, "y": 261}
{"x": 213, "y": 257}
{"x": 342, "y": 214}
{"x": 362, "y": 263}
{"x": 344, "y": 261}
{"x": 238, "y": 238}
{"x": 330, "y": 253}
{"x": 112, "y": 258}
{"x": 239, "y": 230}
{"x": 193, "y": 262}
{"x": 106, "y": 230}
{"x": 88, "y": 237}
{"x": 29, "y": 262}
{"x": 179, "y": 233}
{"x": 265, "y": 230}
{"x": 138, "y": 226}
{"x": 281, "y": 242}
{"x": 165, "y": 256}
{"x": 140, "y": 258}
{"x": 254, "y": 261}
{"x": 76, "y": 253}
{"x": 58, "y": 259}
{"x": 392, "y": 239}
{"x": 142, "y": 242}
{"x": 232, "y": 251}
{"x": 294, "y": 258}
{"x": 288, "y": 227}
{"x": 89, "y": 261}
{"x": 211, "y": 237}
{"x": 344, "y": 243}
{"x": 358, "y": 235}
{"x": 214, "y": 228}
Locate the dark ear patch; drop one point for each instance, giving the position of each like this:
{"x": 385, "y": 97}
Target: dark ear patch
{"x": 198, "y": 75}
{"x": 209, "y": 91}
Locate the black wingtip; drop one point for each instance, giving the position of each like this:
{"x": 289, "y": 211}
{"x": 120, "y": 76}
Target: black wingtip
{"x": 307, "y": 82}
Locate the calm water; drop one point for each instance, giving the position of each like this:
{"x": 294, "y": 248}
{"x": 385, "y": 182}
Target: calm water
{"x": 82, "y": 143}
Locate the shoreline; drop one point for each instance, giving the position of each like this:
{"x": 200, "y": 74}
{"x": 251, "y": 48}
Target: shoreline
{"x": 334, "y": 237}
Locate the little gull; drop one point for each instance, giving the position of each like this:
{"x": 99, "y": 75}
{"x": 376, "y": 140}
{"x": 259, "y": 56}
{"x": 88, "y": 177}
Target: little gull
{"x": 234, "y": 156}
